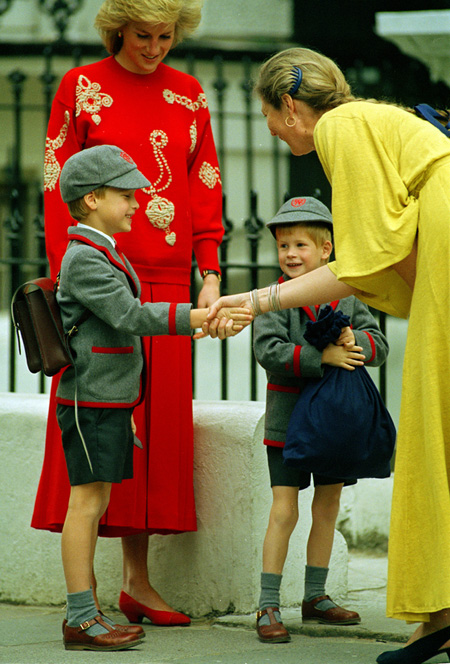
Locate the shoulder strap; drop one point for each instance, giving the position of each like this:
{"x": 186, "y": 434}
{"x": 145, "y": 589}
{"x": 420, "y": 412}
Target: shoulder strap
{"x": 84, "y": 316}
{"x": 429, "y": 113}
{"x": 68, "y": 335}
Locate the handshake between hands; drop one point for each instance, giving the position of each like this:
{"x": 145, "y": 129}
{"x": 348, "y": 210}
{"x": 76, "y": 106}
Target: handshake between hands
{"x": 223, "y": 322}
{"x": 230, "y": 314}
{"x": 226, "y": 317}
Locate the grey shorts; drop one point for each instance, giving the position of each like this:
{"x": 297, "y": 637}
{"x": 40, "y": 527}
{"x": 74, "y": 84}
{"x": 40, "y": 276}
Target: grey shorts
{"x": 282, "y": 475}
{"x": 109, "y": 439}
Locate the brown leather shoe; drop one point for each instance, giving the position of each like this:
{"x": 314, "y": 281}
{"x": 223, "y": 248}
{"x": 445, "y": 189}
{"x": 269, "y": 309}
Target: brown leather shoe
{"x": 75, "y": 638}
{"x": 334, "y": 616}
{"x": 276, "y": 632}
{"x": 129, "y": 629}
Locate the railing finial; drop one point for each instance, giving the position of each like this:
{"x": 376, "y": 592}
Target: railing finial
{"x": 60, "y": 11}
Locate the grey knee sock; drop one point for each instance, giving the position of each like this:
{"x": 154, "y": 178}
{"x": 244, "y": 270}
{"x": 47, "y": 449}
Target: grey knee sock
{"x": 270, "y": 595}
{"x": 315, "y": 579}
{"x": 81, "y": 607}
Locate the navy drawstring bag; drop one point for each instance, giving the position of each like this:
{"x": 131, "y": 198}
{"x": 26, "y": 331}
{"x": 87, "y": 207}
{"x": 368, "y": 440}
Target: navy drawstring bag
{"x": 340, "y": 426}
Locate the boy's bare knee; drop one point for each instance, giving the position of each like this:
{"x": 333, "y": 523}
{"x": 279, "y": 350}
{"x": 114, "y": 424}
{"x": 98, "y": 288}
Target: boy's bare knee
{"x": 284, "y": 513}
{"x": 285, "y": 520}
{"x": 90, "y": 499}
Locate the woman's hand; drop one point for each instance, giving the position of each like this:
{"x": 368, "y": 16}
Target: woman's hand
{"x": 210, "y": 291}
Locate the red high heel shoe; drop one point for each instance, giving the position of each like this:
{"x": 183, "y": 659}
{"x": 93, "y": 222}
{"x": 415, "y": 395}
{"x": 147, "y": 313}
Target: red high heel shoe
{"x": 135, "y": 612}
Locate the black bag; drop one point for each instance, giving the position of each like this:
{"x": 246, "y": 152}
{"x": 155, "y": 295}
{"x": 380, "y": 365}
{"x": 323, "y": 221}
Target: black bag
{"x": 36, "y": 316}
{"x": 340, "y": 426}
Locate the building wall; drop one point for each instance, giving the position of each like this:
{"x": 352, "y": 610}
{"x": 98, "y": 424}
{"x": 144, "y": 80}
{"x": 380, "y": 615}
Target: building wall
{"x": 217, "y": 569}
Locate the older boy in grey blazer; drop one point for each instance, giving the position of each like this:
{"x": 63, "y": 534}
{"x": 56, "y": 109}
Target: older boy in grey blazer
{"x": 96, "y": 395}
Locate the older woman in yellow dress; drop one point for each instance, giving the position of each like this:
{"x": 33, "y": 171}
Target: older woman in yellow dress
{"x": 389, "y": 171}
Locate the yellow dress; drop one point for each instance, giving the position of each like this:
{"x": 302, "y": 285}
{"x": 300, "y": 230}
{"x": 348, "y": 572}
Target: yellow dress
{"x": 390, "y": 178}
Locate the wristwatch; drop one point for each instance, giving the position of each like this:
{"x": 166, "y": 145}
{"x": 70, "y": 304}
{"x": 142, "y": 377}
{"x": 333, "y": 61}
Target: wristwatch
{"x": 205, "y": 272}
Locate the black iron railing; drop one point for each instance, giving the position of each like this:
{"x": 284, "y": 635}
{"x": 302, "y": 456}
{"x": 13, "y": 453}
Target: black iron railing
{"x": 248, "y": 259}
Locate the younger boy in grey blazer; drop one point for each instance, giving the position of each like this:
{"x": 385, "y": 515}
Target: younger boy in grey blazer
{"x": 302, "y": 228}
{"x": 96, "y": 395}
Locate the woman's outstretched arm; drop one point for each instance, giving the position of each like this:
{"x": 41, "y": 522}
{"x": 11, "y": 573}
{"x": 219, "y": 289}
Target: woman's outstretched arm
{"x": 316, "y": 287}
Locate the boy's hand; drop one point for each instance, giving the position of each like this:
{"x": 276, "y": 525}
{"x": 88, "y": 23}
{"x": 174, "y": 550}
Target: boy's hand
{"x": 346, "y": 338}
{"x": 343, "y": 357}
{"x": 228, "y": 322}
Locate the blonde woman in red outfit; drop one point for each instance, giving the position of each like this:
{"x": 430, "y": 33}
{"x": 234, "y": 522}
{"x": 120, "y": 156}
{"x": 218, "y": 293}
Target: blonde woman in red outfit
{"x": 159, "y": 116}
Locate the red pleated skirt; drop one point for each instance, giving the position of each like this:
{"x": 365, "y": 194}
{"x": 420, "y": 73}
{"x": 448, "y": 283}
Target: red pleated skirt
{"x": 160, "y": 497}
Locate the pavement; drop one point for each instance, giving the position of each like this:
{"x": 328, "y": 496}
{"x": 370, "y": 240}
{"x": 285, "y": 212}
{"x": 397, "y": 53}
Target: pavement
{"x": 32, "y": 635}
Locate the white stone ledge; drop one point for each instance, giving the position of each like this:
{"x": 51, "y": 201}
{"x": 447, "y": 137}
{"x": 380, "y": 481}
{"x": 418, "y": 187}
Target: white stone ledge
{"x": 215, "y": 569}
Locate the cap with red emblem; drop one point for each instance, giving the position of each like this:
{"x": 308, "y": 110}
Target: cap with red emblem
{"x": 102, "y": 165}
{"x": 301, "y": 209}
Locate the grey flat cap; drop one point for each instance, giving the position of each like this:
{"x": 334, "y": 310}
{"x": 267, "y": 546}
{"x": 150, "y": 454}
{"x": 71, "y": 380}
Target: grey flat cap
{"x": 301, "y": 209}
{"x": 102, "y": 165}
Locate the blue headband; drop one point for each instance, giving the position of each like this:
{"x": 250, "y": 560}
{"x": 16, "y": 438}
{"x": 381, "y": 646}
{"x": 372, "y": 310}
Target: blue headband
{"x": 297, "y": 73}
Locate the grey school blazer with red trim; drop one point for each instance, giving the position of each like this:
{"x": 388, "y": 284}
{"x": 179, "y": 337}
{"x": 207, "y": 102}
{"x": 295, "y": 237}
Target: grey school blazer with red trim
{"x": 107, "y": 349}
{"x": 289, "y": 360}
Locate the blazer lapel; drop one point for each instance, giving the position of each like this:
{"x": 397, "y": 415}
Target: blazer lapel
{"x": 96, "y": 241}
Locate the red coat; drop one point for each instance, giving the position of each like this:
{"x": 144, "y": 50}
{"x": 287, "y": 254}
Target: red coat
{"x": 163, "y": 122}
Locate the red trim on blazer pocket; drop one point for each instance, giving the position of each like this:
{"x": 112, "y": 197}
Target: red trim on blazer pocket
{"x": 283, "y": 388}
{"x": 121, "y": 350}
{"x": 172, "y": 318}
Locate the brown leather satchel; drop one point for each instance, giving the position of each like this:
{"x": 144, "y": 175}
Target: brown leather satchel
{"x": 36, "y": 316}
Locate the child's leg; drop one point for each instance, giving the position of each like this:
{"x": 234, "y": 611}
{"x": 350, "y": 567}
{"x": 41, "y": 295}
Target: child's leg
{"x": 282, "y": 520}
{"x": 87, "y": 504}
{"x": 325, "y": 509}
